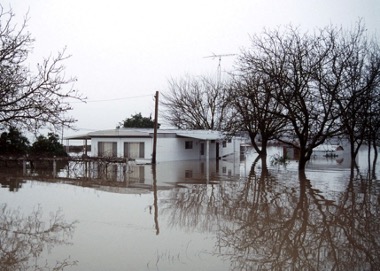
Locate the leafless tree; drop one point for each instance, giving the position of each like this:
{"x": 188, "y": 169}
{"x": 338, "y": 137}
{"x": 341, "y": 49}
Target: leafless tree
{"x": 31, "y": 98}
{"x": 357, "y": 65}
{"x": 196, "y": 103}
{"x": 251, "y": 94}
{"x": 297, "y": 65}
{"x": 374, "y": 122}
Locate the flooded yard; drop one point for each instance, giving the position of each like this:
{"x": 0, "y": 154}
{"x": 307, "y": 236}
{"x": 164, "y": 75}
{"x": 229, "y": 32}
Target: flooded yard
{"x": 193, "y": 215}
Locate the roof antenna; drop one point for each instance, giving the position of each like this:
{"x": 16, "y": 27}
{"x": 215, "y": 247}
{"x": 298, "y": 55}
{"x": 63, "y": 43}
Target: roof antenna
{"x": 219, "y": 70}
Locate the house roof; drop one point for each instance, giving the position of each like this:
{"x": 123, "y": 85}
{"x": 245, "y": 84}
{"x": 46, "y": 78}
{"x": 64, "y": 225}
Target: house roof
{"x": 111, "y": 133}
{"x": 129, "y": 132}
{"x": 78, "y": 137}
{"x": 120, "y": 133}
{"x": 201, "y": 134}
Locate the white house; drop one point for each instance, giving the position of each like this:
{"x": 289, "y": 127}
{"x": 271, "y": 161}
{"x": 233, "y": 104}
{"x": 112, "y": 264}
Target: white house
{"x": 172, "y": 144}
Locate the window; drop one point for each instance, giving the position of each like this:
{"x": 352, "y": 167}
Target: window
{"x": 188, "y": 173}
{"x": 134, "y": 149}
{"x": 188, "y": 145}
{"x": 107, "y": 149}
{"x": 202, "y": 148}
{"x": 224, "y": 144}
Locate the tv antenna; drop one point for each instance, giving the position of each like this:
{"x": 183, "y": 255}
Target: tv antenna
{"x": 219, "y": 70}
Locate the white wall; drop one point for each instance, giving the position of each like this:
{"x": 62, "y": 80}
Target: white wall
{"x": 232, "y": 147}
{"x": 170, "y": 148}
{"x": 120, "y": 145}
{"x": 173, "y": 149}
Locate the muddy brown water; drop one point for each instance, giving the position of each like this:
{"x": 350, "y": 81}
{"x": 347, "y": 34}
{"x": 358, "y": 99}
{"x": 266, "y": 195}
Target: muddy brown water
{"x": 193, "y": 215}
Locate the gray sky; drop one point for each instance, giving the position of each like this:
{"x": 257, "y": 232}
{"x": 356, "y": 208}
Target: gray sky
{"x": 125, "y": 50}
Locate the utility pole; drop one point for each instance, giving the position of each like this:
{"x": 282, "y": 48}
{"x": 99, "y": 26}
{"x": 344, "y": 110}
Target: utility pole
{"x": 155, "y": 205}
{"x": 155, "y": 130}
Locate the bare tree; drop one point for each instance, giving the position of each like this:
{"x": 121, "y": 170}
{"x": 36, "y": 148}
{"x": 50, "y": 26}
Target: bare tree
{"x": 251, "y": 94}
{"x": 374, "y": 122}
{"x": 358, "y": 65}
{"x": 28, "y": 99}
{"x": 296, "y": 64}
{"x": 196, "y": 103}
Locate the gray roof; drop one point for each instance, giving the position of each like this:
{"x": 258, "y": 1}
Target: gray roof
{"x": 139, "y": 132}
{"x": 201, "y": 134}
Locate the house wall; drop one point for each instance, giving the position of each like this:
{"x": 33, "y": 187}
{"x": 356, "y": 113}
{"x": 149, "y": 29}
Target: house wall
{"x": 171, "y": 148}
{"x": 230, "y": 147}
{"x": 120, "y": 145}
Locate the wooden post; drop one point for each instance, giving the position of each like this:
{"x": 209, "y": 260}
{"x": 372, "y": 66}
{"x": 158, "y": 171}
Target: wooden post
{"x": 207, "y": 160}
{"x": 155, "y": 130}
{"x": 54, "y": 167}
{"x": 85, "y": 147}
{"x": 24, "y": 166}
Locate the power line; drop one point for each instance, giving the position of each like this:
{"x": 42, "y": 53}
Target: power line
{"x": 115, "y": 99}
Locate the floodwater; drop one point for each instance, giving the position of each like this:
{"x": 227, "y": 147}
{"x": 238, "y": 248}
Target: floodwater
{"x": 193, "y": 215}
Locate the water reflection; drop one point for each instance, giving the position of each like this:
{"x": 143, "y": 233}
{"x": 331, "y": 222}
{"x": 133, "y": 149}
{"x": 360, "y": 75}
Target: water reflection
{"x": 155, "y": 199}
{"x": 250, "y": 214}
{"x": 123, "y": 177}
{"x": 23, "y": 239}
{"x": 11, "y": 182}
{"x": 266, "y": 224}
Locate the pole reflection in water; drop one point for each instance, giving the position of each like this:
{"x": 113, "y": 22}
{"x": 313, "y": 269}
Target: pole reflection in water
{"x": 155, "y": 199}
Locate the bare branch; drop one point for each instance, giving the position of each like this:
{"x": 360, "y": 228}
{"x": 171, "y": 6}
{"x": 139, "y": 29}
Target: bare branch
{"x": 32, "y": 100}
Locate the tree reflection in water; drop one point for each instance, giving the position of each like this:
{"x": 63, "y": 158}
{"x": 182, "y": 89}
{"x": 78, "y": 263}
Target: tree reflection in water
{"x": 24, "y": 238}
{"x": 280, "y": 222}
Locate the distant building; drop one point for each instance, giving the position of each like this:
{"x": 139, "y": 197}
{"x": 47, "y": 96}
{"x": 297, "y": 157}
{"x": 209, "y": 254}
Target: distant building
{"x": 172, "y": 144}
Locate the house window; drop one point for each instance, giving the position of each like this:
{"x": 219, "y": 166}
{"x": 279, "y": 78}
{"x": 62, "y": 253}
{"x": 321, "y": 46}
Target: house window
{"x": 188, "y": 145}
{"x": 107, "y": 149}
{"x": 202, "y": 148}
{"x": 134, "y": 149}
{"x": 188, "y": 173}
{"x": 224, "y": 144}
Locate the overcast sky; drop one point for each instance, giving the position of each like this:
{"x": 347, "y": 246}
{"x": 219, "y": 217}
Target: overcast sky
{"x": 125, "y": 51}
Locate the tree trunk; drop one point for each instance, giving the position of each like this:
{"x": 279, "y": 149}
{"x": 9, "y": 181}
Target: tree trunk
{"x": 264, "y": 144}
{"x": 302, "y": 161}
{"x": 353, "y": 153}
{"x": 374, "y": 159}
{"x": 305, "y": 155}
{"x": 375, "y": 150}
{"x": 252, "y": 136}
